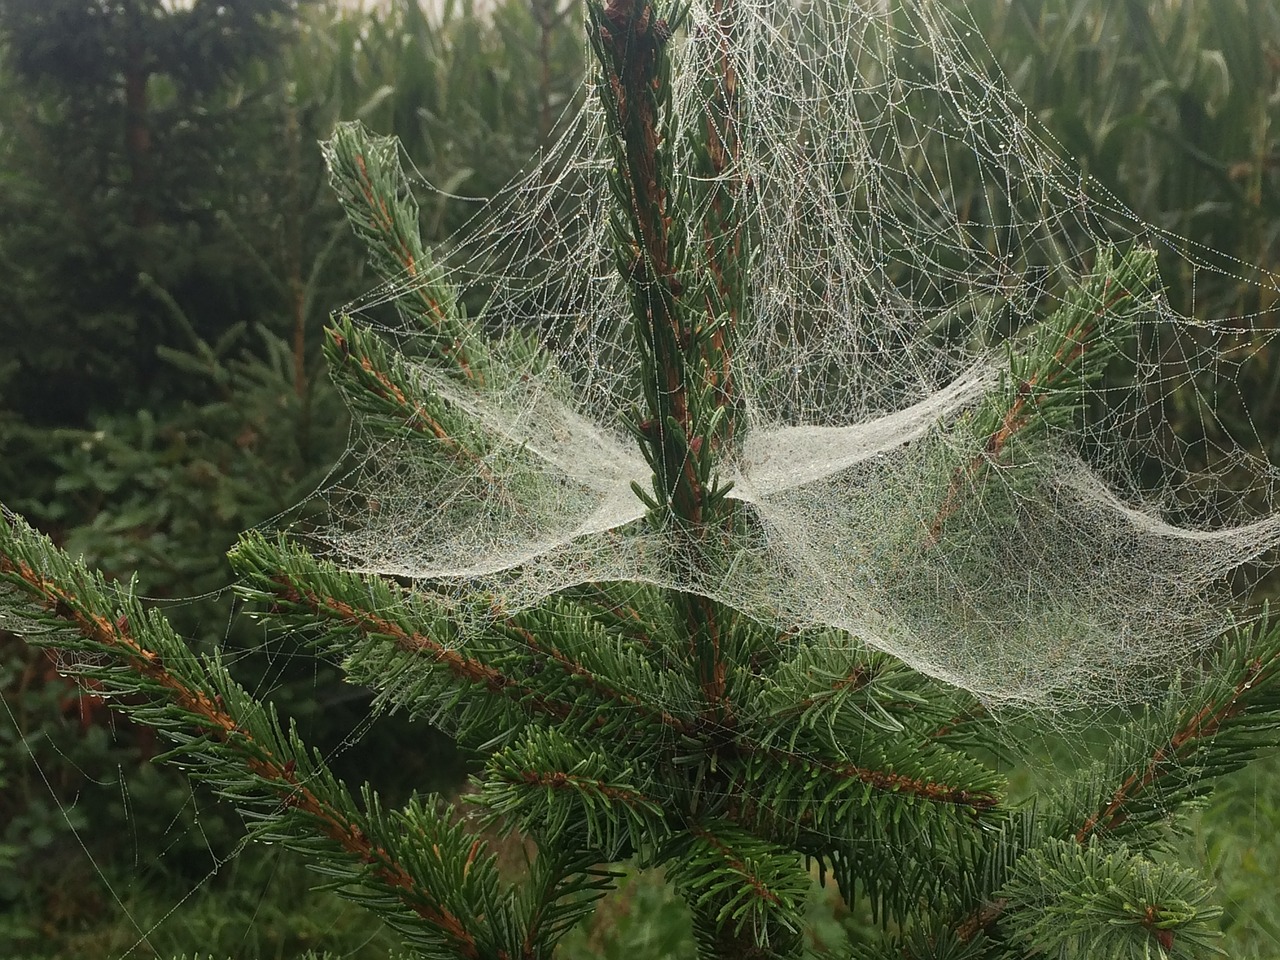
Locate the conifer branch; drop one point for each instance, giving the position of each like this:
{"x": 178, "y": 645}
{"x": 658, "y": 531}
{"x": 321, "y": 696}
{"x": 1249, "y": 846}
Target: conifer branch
{"x": 725, "y": 232}
{"x": 606, "y": 691}
{"x": 629, "y": 39}
{"x": 387, "y": 393}
{"x": 297, "y": 588}
{"x": 885, "y": 778}
{"x": 636, "y": 617}
{"x": 1037, "y": 392}
{"x": 1093, "y": 900}
{"x": 748, "y": 895}
{"x": 357, "y": 614}
{"x": 1163, "y": 759}
{"x": 226, "y": 737}
{"x": 575, "y": 797}
{"x": 684, "y": 411}
{"x": 833, "y": 683}
{"x": 365, "y": 172}
{"x": 1233, "y": 716}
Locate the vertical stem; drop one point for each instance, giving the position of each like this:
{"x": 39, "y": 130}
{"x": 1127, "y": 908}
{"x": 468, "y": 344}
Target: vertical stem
{"x": 630, "y": 41}
{"x": 680, "y": 325}
{"x": 544, "y": 15}
{"x": 137, "y": 135}
{"x": 724, "y": 231}
{"x": 293, "y": 251}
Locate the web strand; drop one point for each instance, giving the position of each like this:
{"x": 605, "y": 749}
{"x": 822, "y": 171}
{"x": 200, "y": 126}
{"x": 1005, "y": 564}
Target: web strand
{"x": 914, "y": 225}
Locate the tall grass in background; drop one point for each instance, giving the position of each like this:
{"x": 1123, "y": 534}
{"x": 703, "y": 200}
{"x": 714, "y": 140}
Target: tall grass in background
{"x": 473, "y": 88}
{"x": 1171, "y": 106}
{"x": 1174, "y": 106}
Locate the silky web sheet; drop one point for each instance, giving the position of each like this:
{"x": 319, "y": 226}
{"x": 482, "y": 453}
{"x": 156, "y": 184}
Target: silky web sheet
{"x": 912, "y": 222}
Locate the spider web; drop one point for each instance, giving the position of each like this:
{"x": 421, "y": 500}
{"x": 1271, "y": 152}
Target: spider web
{"x": 913, "y": 223}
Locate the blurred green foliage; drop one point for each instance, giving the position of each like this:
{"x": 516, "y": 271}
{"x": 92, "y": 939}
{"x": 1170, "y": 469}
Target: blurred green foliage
{"x": 128, "y": 128}
{"x": 169, "y": 254}
{"x": 1236, "y": 840}
{"x": 1171, "y": 106}
{"x": 168, "y": 263}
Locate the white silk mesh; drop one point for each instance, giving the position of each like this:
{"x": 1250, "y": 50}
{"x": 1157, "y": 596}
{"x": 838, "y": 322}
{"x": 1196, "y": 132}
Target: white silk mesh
{"x": 911, "y": 222}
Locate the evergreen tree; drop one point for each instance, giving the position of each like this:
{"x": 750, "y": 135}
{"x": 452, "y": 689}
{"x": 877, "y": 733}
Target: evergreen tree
{"x": 130, "y": 126}
{"x": 622, "y": 720}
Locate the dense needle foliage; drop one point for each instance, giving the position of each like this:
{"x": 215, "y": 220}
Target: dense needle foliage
{"x": 1250, "y": 168}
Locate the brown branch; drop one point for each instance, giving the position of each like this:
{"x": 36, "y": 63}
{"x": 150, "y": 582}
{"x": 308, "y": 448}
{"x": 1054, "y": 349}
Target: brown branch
{"x": 723, "y": 148}
{"x": 631, "y": 41}
{"x": 470, "y": 670}
{"x": 382, "y": 218}
{"x": 214, "y": 720}
{"x": 855, "y": 680}
{"x": 982, "y": 919}
{"x": 889, "y": 782}
{"x": 598, "y": 685}
{"x": 1027, "y": 399}
{"x": 415, "y": 416}
{"x": 1204, "y": 723}
{"x": 558, "y": 780}
{"x": 462, "y": 667}
{"x": 735, "y": 863}
{"x": 634, "y": 38}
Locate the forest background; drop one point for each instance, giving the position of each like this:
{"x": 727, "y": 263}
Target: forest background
{"x": 169, "y": 253}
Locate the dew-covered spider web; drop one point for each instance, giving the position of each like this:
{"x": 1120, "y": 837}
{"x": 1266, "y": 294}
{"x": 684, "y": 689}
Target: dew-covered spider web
{"x": 912, "y": 226}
